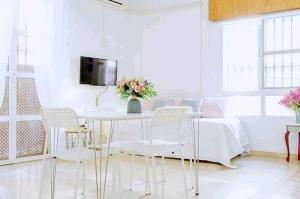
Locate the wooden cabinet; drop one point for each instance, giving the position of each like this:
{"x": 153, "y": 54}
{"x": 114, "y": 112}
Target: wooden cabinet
{"x": 228, "y": 9}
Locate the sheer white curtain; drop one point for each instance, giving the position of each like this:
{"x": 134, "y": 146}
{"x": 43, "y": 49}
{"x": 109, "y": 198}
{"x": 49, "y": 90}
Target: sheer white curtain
{"x": 35, "y": 19}
{"x": 50, "y": 33}
{"x": 64, "y": 20}
{"x": 7, "y": 22}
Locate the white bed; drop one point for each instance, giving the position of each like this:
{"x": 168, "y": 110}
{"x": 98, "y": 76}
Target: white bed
{"x": 220, "y": 139}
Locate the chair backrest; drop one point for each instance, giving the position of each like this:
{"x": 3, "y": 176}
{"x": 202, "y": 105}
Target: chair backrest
{"x": 167, "y": 120}
{"x": 59, "y": 118}
{"x": 54, "y": 120}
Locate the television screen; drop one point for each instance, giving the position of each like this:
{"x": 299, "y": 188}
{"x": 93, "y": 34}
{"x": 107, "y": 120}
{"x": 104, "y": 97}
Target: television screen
{"x": 98, "y": 72}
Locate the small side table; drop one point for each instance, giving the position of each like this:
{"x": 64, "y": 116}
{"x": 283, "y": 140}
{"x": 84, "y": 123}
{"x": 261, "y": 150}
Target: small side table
{"x": 292, "y": 128}
{"x": 86, "y": 139}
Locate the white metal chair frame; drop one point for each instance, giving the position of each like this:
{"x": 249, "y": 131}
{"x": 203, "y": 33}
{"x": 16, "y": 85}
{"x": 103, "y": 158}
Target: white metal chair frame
{"x": 163, "y": 117}
{"x": 54, "y": 120}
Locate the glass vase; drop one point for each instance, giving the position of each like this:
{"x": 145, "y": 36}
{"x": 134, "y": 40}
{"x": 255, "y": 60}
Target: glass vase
{"x": 297, "y": 117}
{"x": 134, "y": 105}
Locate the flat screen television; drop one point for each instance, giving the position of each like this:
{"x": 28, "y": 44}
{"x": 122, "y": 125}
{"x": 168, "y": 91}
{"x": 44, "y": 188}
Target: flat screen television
{"x": 98, "y": 72}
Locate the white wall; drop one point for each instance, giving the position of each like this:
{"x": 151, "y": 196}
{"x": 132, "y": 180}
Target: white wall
{"x": 171, "y": 52}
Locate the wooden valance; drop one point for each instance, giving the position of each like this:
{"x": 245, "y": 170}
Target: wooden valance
{"x": 229, "y": 9}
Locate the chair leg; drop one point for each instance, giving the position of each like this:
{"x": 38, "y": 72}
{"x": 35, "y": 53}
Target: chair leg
{"x": 147, "y": 185}
{"x": 83, "y": 180}
{"x": 113, "y": 183}
{"x": 191, "y": 172}
{"x": 163, "y": 176}
{"x": 184, "y": 178}
{"x": 119, "y": 175}
{"x": 53, "y": 177}
{"x": 41, "y": 178}
{"x": 76, "y": 180}
{"x": 131, "y": 171}
{"x": 154, "y": 177}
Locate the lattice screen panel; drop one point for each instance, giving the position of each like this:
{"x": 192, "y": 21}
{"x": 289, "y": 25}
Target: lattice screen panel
{"x": 27, "y": 99}
{"x": 30, "y": 138}
{"x": 4, "y": 106}
{"x": 4, "y": 140}
{"x": 25, "y": 68}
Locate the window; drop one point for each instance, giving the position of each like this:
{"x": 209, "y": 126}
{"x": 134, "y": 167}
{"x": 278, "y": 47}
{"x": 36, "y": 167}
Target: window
{"x": 281, "y": 52}
{"x": 240, "y": 73}
{"x": 261, "y": 62}
{"x": 242, "y": 106}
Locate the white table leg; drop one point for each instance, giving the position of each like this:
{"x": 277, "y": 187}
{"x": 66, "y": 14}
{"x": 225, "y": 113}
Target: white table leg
{"x": 95, "y": 154}
{"x": 195, "y": 135}
{"x": 108, "y": 153}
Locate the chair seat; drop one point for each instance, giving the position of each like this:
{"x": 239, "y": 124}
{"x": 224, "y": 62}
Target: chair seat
{"x": 72, "y": 154}
{"x": 143, "y": 147}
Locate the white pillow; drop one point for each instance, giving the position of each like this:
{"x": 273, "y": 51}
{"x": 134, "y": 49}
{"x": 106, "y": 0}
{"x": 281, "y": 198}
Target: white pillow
{"x": 212, "y": 108}
{"x": 162, "y": 103}
{"x": 195, "y": 104}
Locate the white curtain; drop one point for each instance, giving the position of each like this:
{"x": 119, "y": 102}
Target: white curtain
{"x": 64, "y": 20}
{"x": 7, "y": 21}
{"x": 35, "y": 18}
{"x": 49, "y": 33}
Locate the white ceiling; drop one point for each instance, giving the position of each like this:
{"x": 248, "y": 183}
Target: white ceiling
{"x": 145, "y": 5}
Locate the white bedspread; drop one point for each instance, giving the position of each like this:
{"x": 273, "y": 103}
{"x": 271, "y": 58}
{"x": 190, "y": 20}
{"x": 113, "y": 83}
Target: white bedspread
{"x": 222, "y": 139}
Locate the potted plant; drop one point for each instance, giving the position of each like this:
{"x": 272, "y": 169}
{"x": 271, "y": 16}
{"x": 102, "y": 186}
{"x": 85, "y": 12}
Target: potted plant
{"x": 292, "y": 102}
{"x": 134, "y": 89}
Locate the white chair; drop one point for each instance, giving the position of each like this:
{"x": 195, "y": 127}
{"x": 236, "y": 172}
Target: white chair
{"x": 55, "y": 121}
{"x": 165, "y": 120}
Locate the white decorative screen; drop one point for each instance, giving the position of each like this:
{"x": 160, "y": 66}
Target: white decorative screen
{"x": 30, "y": 138}
{"x": 27, "y": 99}
{"x": 4, "y": 148}
{"x": 4, "y": 126}
{"x": 4, "y": 107}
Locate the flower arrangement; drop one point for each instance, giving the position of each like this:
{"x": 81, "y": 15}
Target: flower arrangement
{"x": 135, "y": 88}
{"x": 292, "y": 100}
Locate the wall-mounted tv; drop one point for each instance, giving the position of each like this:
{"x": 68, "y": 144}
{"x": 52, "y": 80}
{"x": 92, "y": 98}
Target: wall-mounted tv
{"x": 98, "y": 72}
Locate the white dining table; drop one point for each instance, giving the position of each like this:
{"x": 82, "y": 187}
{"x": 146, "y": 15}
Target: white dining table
{"x": 92, "y": 117}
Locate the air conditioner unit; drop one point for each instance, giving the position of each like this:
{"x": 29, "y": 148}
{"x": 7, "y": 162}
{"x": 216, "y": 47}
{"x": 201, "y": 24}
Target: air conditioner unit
{"x": 119, "y": 4}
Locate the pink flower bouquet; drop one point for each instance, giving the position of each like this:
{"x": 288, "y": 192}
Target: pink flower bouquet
{"x": 292, "y": 100}
{"x": 136, "y": 88}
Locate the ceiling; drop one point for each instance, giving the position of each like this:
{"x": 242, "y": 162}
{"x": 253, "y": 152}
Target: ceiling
{"x": 146, "y": 5}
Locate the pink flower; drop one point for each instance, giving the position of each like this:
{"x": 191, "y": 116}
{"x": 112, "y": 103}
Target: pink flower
{"x": 133, "y": 83}
{"x": 137, "y": 89}
{"x": 122, "y": 83}
{"x": 291, "y": 100}
{"x": 141, "y": 83}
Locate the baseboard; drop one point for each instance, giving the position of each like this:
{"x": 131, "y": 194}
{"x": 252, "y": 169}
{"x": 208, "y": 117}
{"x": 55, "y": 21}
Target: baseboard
{"x": 273, "y": 155}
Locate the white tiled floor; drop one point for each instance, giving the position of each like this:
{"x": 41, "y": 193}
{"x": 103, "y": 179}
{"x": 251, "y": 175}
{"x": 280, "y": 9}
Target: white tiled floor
{"x": 256, "y": 178}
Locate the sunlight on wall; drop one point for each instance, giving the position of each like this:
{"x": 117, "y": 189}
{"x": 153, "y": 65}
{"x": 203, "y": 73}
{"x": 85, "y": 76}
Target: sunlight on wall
{"x": 171, "y": 51}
